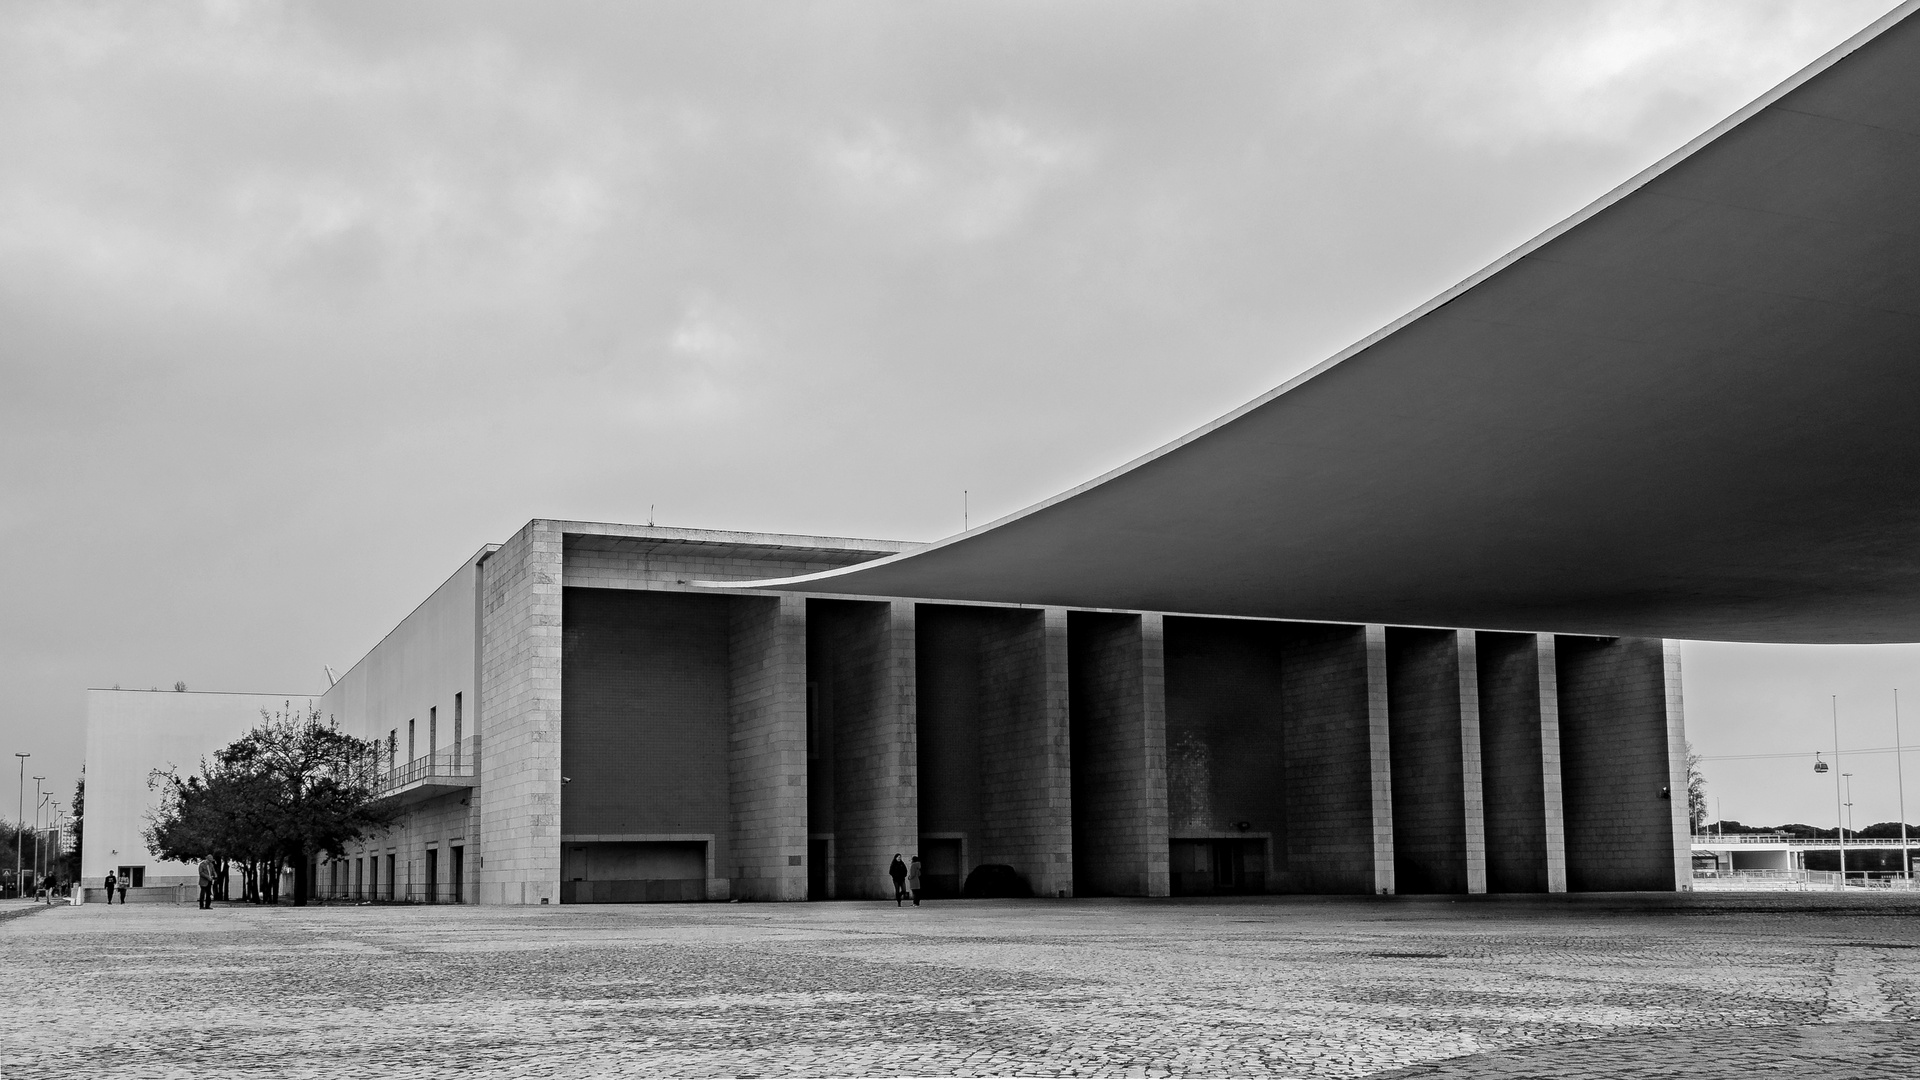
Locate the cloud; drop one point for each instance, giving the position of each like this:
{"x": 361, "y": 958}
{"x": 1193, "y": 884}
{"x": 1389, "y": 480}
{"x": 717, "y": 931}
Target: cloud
{"x": 304, "y": 302}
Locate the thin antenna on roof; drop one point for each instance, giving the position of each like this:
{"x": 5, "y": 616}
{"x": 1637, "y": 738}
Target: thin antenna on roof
{"x": 649, "y": 515}
{"x": 966, "y": 512}
{"x": 331, "y": 677}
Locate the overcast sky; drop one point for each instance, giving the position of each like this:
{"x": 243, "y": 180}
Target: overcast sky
{"x": 302, "y": 304}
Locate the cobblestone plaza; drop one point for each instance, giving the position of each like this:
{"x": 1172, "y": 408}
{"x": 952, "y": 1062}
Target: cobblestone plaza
{"x": 1561, "y": 985}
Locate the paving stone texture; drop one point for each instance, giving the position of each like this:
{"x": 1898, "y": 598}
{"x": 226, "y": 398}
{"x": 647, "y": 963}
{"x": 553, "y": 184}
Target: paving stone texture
{"x": 1806, "y": 985}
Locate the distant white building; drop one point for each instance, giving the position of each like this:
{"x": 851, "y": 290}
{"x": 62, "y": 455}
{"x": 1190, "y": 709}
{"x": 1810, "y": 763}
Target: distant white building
{"x": 130, "y": 733}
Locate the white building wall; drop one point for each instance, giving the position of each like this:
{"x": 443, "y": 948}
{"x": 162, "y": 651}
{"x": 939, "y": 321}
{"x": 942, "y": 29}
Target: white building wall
{"x": 422, "y": 673}
{"x": 130, "y": 733}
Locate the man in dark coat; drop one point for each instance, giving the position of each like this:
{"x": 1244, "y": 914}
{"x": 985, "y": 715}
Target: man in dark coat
{"x": 206, "y": 884}
{"x": 111, "y": 882}
{"x": 898, "y": 872}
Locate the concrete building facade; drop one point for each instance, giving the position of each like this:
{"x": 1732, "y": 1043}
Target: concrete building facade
{"x": 587, "y": 713}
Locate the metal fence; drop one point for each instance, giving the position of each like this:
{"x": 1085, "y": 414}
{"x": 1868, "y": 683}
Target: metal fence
{"x": 1799, "y": 880}
{"x": 1712, "y": 840}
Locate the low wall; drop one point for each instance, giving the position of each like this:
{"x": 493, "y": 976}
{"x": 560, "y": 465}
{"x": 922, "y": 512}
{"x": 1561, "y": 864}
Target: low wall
{"x": 145, "y": 894}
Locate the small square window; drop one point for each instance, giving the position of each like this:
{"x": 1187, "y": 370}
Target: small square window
{"x": 793, "y": 860}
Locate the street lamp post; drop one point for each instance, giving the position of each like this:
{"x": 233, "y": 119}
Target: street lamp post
{"x": 19, "y": 819}
{"x": 1840, "y": 817}
{"x": 1900, "y": 778}
{"x": 39, "y": 801}
{"x": 1848, "y": 777}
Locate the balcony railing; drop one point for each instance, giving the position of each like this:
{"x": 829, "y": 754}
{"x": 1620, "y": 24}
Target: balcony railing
{"x": 456, "y": 766}
{"x": 1712, "y": 840}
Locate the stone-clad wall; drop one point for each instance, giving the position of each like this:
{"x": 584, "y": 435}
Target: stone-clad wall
{"x": 868, "y": 656}
{"x": 441, "y": 823}
{"x": 1225, "y": 740}
{"x": 1117, "y": 709}
{"x": 1338, "y": 794}
{"x": 1072, "y": 711}
{"x": 1434, "y": 719}
{"x": 951, "y": 687}
{"x": 767, "y": 747}
{"x": 646, "y": 562}
{"x": 1616, "y": 739}
{"x": 520, "y": 725}
{"x": 1511, "y": 756}
{"x": 1025, "y": 787}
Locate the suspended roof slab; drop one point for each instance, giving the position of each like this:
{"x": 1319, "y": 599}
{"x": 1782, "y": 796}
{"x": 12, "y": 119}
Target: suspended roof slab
{"x": 1692, "y": 410}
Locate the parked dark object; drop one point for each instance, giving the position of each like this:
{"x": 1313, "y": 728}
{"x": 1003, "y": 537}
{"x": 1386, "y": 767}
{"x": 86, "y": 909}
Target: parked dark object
{"x": 993, "y": 881}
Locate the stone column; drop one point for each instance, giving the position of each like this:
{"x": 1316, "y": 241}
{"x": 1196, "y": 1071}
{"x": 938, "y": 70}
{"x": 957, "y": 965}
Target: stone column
{"x": 1677, "y": 768}
{"x": 1025, "y": 774}
{"x": 1380, "y": 761}
{"x": 767, "y": 747}
{"x": 1552, "y": 793}
{"x": 1117, "y": 678}
{"x": 520, "y": 721}
{"x": 870, "y": 665}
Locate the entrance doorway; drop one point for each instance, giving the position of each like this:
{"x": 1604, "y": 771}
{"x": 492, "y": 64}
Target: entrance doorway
{"x": 819, "y": 854}
{"x": 940, "y": 867}
{"x": 433, "y": 876}
{"x": 1218, "y": 865}
{"x": 457, "y": 859}
{"x": 605, "y": 872}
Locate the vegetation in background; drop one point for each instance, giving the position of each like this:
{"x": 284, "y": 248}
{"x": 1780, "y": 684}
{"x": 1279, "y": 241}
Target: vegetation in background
{"x": 292, "y": 788}
{"x": 1696, "y": 790}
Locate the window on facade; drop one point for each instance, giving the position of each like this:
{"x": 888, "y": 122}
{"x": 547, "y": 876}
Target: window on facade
{"x": 433, "y": 728}
{"x": 411, "y": 752}
{"x": 456, "y": 731}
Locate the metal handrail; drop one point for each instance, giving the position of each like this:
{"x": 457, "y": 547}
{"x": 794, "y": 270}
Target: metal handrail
{"x": 461, "y": 761}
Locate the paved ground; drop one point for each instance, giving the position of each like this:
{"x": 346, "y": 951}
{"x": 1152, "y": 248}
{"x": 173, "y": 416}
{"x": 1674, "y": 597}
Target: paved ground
{"x": 1798, "y": 985}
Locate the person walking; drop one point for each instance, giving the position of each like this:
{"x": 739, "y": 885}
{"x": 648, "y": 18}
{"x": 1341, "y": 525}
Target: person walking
{"x": 913, "y": 880}
{"x": 206, "y": 884}
{"x": 897, "y": 870}
{"x": 111, "y": 882}
{"x": 123, "y": 889}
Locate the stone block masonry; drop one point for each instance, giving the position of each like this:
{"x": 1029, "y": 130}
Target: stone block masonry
{"x": 767, "y": 748}
{"x": 1433, "y": 714}
{"x": 1339, "y": 835}
{"x": 867, "y": 693}
{"x": 520, "y": 653}
{"x": 1619, "y": 723}
{"x": 1117, "y": 694}
{"x": 1520, "y": 763}
{"x": 1025, "y": 775}
{"x": 802, "y": 741}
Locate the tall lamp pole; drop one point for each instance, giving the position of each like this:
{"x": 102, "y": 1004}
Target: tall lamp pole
{"x": 1839, "y": 815}
{"x": 1900, "y": 777}
{"x": 39, "y": 801}
{"x": 20, "y": 819}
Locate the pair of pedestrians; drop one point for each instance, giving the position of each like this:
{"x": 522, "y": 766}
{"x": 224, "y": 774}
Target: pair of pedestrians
{"x": 906, "y": 880}
{"x": 113, "y": 883}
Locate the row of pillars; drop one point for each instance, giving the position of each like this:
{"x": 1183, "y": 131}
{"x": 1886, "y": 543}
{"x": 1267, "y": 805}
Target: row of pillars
{"x": 1392, "y": 759}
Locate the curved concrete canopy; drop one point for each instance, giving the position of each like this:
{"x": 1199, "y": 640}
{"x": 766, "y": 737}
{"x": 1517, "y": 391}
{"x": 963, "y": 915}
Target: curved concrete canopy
{"x": 1692, "y": 410}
